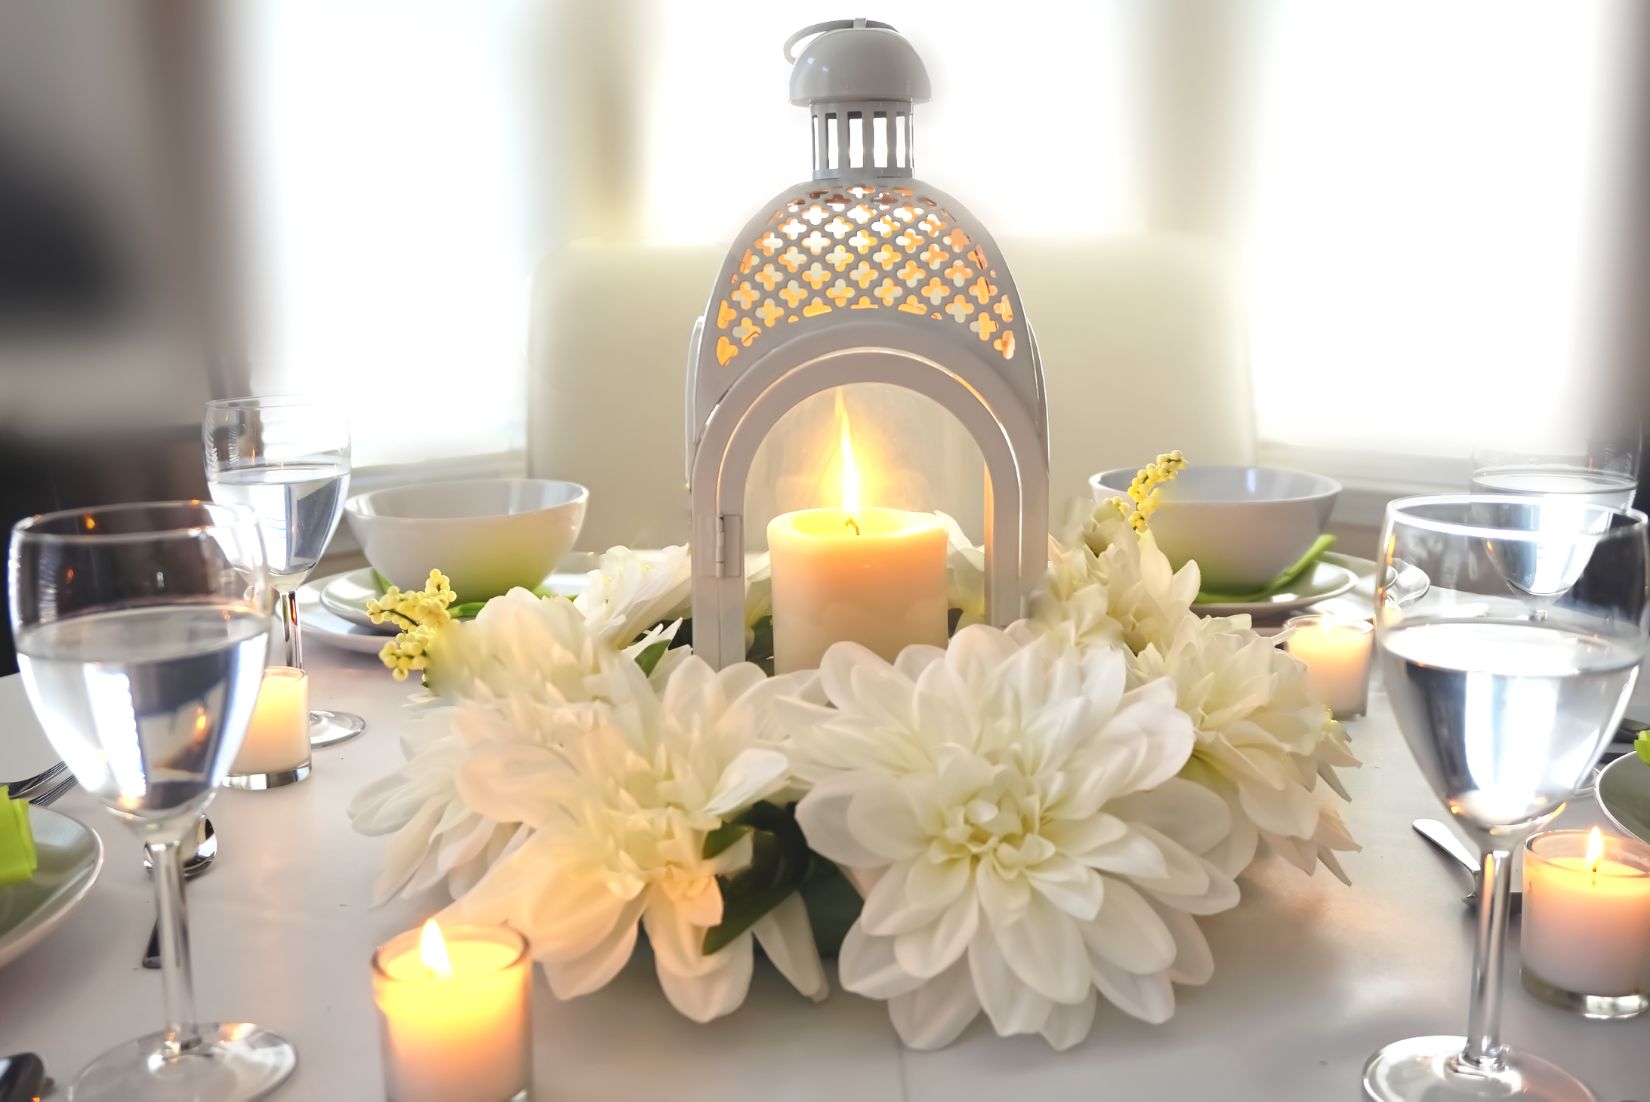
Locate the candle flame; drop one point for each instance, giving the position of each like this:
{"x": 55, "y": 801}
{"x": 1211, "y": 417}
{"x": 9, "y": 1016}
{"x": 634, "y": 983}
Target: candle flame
{"x": 850, "y": 469}
{"x": 1595, "y": 850}
{"x": 432, "y": 950}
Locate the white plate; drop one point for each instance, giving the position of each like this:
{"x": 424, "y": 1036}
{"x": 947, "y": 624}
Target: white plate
{"x": 319, "y": 621}
{"x": 1624, "y": 795}
{"x": 1356, "y": 602}
{"x": 71, "y": 855}
{"x": 1327, "y": 579}
{"x": 346, "y": 595}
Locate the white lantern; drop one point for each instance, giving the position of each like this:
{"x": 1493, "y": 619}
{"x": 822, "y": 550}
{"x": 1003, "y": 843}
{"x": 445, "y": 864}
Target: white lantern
{"x": 863, "y": 274}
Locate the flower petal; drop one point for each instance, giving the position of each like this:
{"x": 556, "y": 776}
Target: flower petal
{"x": 1045, "y": 949}
{"x": 866, "y": 966}
{"x": 1012, "y": 1006}
{"x": 1069, "y": 1025}
{"x": 788, "y": 940}
{"x": 932, "y": 948}
{"x": 752, "y": 775}
{"x": 823, "y": 816}
{"x": 1149, "y": 998}
{"x": 1128, "y": 932}
{"x": 708, "y": 995}
{"x": 590, "y": 972}
{"x": 936, "y": 1013}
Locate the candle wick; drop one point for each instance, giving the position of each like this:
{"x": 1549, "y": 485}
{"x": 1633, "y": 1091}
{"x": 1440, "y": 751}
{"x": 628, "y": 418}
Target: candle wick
{"x": 854, "y": 524}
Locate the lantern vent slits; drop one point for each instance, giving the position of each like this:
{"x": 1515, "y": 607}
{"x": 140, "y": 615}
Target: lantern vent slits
{"x": 859, "y": 80}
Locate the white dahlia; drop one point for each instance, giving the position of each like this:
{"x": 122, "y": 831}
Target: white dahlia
{"x": 526, "y": 670}
{"x": 1263, "y": 743}
{"x": 618, "y": 819}
{"x": 1011, "y": 813}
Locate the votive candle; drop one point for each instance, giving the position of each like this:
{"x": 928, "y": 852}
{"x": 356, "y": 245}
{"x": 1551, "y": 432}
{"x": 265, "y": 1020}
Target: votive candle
{"x": 1335, "y": 651}
{"x": 1585, "y": 937}
{"x": 276, "y": 748}
{"x": 454, "y": 1013}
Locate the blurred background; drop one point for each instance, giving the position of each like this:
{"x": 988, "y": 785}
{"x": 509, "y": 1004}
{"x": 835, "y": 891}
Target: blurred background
{"x": 1363, "y": 237}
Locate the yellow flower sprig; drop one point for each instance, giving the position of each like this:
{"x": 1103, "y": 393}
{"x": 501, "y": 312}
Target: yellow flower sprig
{"x": 421, "y": 615}
{"x": 1146, "y": 491}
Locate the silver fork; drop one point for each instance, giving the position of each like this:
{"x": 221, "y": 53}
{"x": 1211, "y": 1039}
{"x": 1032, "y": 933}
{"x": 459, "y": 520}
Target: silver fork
{"x": 21, "y": 790}
{"x": 53, "y": 792}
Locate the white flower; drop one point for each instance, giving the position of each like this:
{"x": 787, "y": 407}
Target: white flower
{"x": 1110, "y": 583}
{"x": 1262, "y": 741}
{"x": 1013, "y": 818}
{"x": 618, "y": 820}
{"x": 525, "y": 670}
{"x": 633, "y": 591}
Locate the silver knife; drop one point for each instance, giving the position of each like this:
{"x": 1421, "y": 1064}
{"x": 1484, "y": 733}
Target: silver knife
{"x": 1444, "y": 838}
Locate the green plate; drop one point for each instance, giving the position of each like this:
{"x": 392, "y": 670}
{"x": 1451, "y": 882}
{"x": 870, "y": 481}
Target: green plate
{"x": 1624, "y": 795}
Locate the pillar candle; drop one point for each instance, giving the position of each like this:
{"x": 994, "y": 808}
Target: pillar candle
{"x": 872, "y": 576}
{"x": 454, "y": 1013}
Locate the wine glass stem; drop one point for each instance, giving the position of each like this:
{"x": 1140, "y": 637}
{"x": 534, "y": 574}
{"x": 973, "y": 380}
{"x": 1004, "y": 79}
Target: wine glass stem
{"x": 177, "y": 978}
{"x": 294, "y": 642}
{"x": 1483, "y": 1049}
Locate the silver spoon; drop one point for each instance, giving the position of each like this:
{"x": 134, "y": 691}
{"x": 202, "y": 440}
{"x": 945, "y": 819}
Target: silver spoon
{"x": 206, "y": 848}
{"x": 1444, "y": 838}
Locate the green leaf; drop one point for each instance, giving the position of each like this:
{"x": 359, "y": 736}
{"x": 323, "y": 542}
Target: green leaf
{"x": 723, "y": 838}
{"x": 380, "y": 583}
{"x": 1641, "y": 746}
{"x": 467, "y": 610}
{"x": 780, "y": 864}
{"x": 649, "y": 658}
{"x": 739, "y": 915}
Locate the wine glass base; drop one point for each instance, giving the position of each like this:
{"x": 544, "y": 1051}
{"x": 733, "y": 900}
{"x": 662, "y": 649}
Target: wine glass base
{"x": 235, "y": 1061}
{"x": 327, "y": 728}
{"x": 1430, "y": 1069}
{"x": 261, "y": 782}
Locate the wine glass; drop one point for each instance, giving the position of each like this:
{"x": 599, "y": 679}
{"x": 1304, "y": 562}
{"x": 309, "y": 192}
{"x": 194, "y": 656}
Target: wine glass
{"x": 287, "y": 459}
{"x": 1602, "y": 468}
{"x": 141, "y": 637}
{"x": 1506, "y": 691}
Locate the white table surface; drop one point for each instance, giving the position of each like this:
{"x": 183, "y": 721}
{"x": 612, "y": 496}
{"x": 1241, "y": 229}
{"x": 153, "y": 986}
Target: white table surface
{"x": 1310, "y": 976}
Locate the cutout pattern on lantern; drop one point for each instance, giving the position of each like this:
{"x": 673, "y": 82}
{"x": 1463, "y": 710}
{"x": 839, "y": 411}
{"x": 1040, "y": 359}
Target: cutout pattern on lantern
{"x": 863, "y": 248}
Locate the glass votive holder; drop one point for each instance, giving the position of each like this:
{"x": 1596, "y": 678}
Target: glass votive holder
{"x": 275, "y": 751}
{"x": 1336, "y": 652}
{"x": 1585, "y": 937}
{"x": 455, "y": 1014}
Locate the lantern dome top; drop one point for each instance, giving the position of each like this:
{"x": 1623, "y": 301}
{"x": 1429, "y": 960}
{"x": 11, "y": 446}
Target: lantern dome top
{"x": 855, "y": 60}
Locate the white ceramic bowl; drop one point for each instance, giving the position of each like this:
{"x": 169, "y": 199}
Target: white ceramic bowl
{"x": 487, "y": 534}
{"x": 1243, "y": 525}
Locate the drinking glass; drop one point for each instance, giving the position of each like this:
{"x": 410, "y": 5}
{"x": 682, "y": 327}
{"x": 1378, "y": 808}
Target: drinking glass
{"x": 287, "y": 459}
{"x": 1507, "y": 680}
{"x": 141, "y": 637}
{"x": 1602, "y": 469}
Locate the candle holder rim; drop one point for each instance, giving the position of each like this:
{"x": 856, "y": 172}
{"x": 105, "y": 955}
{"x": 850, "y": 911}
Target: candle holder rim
{"x": 285, "y": 673}
{"x": 1617, "y": 846}
{"x": 447, "y": 930}
{"x": 1362, "y": 627}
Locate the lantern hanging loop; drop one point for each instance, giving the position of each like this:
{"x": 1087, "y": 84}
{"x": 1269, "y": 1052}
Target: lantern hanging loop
{"x": 832, "y": 25}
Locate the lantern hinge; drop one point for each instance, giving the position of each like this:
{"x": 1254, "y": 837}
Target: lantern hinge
{"x": 730, "y": 545}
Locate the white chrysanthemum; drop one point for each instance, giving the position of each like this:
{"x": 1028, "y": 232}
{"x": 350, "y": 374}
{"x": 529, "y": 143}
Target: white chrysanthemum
{"x": 1110, "y": 583}
{"x": 1263, "y": 743}
{"x": 619, "y": 818}
{"x": 1013, "y": 817}
{"x": 525, "y": 670}
{"x": 633, "y": 591}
